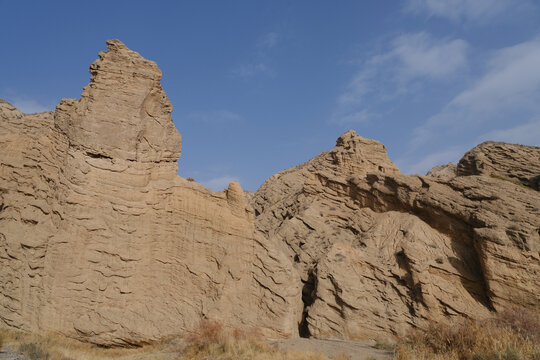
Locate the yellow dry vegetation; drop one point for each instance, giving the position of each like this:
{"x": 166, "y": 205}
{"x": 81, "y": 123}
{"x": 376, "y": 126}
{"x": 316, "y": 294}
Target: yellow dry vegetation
{"x": 211, "y": 341}
{"x": 513, "y": 335}
{"x": 52, "y": 346}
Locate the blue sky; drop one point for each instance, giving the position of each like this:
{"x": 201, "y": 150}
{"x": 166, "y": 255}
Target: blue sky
{"x": 260, "y": 86}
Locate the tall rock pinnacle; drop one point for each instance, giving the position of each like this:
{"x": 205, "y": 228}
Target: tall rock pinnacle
{"x": 123, "y": 113}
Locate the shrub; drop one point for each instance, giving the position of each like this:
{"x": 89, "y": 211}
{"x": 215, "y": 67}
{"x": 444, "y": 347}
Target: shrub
{"x": 521, "y": 320}
{"x": 512, "y": 335}
{"x": 381, "y": 345}
{"x": 212, "y": 339}
{"x": 33, "y": 351}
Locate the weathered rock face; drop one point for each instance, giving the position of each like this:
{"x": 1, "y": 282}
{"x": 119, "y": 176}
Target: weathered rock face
{"x": 504, "y": 161}
{"x": 447, "y": 171}
{"x": 101, "y": 240}
{"x": 379, "y": 252}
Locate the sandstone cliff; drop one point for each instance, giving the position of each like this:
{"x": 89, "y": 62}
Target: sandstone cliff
{"x": 102, "y": 241}
{"x": 379, "y": 252}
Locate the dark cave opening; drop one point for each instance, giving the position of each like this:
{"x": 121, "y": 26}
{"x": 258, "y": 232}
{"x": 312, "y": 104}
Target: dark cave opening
{"x": 308, "y": 297}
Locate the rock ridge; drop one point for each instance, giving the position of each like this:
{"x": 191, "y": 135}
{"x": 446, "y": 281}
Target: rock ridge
{"x": 512, "y": 162}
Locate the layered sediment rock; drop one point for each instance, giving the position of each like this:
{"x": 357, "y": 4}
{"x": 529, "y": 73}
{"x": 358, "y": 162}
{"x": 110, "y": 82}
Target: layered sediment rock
{"x": 101, "y": 240}
{"x": 504, "y": 161}
{"x": 379, "y": 251}
{"x": 447, "y": 171}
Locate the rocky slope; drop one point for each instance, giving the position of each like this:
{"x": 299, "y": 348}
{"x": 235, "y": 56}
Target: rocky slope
{"x": 518, "y": 163}
{"x": 379, "y": 252}
{"x": 102, "y": 241}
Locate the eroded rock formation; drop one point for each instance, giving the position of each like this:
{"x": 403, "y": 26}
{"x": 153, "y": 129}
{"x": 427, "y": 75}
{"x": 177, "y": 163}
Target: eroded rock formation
{"x": 447, "y": 171}
{"x": 504, "y": 161}
{"x": 101, "y": 240}
{"x": 379, "y": 251}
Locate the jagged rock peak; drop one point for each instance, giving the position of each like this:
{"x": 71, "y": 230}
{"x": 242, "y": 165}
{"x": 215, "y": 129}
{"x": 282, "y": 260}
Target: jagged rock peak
{"x": 236, "y": 198}
{"x": 351, "y": 137}
{"x": 356, "y": 154}
{"x": 124, "y": 98}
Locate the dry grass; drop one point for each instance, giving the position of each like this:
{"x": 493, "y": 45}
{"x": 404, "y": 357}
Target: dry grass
{"x": 212, "y": 341}
{"x": 343, "y": 357}
{"x": 56, "y": 347}
{"x": 513, "y": 335}
{"x": 513, "y": 181}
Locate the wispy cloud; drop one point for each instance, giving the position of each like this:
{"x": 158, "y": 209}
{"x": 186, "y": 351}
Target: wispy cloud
{"x": 252, "y": 69}
{"x": 27, "y": 105}
{"x": 509, "y": 90}
{"x": 420, "y": 55}
{"x": 477, "y": 11}
{"x": 422, "y": 166}
{"x": 214, "y": 117}
{"x": 269, "y": 40}
{"x": 219, "y": 183}
{"x": 258, "y": 61}
{"x": 528, "y": 134}
{"x": 409, "y": 58}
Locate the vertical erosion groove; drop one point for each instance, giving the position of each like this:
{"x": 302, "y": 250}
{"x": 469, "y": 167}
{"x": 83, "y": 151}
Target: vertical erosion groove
{"x": 308, "y": 297}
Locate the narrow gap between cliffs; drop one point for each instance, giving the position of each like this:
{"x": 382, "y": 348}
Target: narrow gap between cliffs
{"x": 308, "y": 297}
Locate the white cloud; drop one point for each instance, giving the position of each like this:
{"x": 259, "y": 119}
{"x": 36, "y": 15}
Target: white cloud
{"x": 214, "y": 116}
{"x": 259, "y": 59}
{"x": 410, "y": 58}
{"x": 27, "y": 105}
{"x": 361, "y": 116}
{"x": 269, "y": 40}
{"x": 219, "y": 183}
{"x": 422, "y": 166}
{"x": 250, "y": 70}
{"x": 421, "y": 56}
{"x": 464, "y": 10}
{"x": 526, "y": 134}
{"x": 509, "y": 90}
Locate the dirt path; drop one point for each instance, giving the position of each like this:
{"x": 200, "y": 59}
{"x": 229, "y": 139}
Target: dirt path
{"x": 7, "y": 353}
{"x": 356, "y": 350}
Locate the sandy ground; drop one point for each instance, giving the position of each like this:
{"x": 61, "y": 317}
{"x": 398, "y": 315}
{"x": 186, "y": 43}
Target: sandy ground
{"x": 330, "y": 348}
{"x": 6, "y": 353}
{"x": 356, "y": 350}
